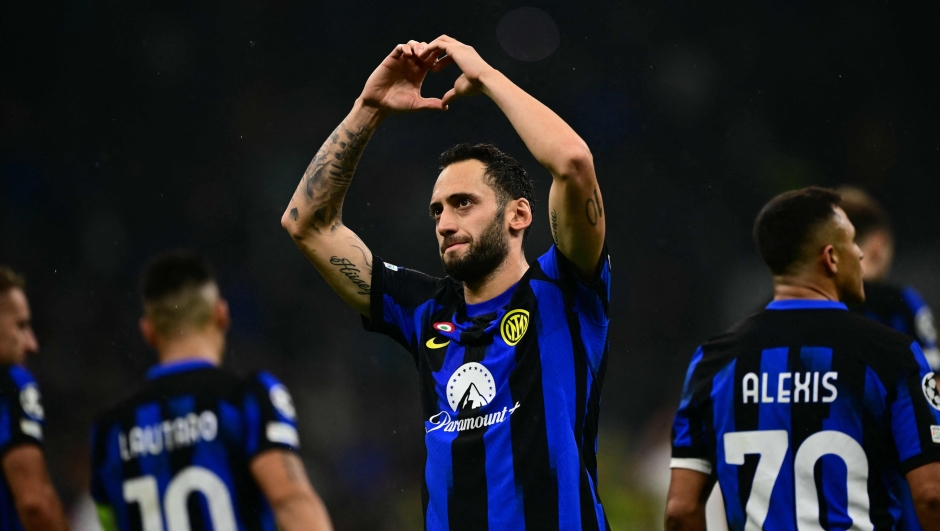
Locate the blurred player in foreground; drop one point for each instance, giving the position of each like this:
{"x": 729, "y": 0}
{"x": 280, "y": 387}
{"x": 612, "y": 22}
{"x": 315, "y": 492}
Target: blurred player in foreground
{"x": 806, "y": 413}
{"x": 196, "y": 447}
{"x": 510, "y": 356}
{"x": 28, "y": 500}
{"x": 899, "y": 307}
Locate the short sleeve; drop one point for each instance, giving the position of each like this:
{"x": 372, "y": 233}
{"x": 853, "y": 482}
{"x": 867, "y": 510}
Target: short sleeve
{"x": 398, "y": 298}
{"x": 22, "y": 415}
{"x": 924, "y": 326}
{"x": 915, "y": 413}
{"x": 689, "y": 443}
{"x": 270, "y": 417}
{"x": 593, "y": 295}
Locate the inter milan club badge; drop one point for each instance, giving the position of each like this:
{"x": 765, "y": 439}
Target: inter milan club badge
{"x": 444, "y": 327}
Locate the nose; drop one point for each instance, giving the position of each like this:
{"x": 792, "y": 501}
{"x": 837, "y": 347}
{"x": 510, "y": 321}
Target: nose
{"x": 32, "y": 344}
{"x": 446, "y": 223}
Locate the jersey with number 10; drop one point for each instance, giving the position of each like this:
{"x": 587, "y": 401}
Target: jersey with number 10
{"x": 175, "y": 456}
{"x": 809, "y": 416}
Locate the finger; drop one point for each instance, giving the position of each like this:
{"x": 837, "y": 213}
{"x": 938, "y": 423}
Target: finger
{"x": 433, "y": 104}
{"x": 437, "y": 45}
{"x": 397, "y": 52}
{"x": 442, "y": 63}
{"x": 449, "y": 97}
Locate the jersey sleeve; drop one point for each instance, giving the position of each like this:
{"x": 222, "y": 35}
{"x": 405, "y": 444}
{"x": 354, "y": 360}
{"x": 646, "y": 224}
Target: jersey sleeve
{"x": 915, "y": 412}
{"x": 22, "y": 416}
{"x": 398, "y": 298}
{"x": 270, "y": 417}
{"x": 924, "y": 326}
{"x": 591, "y": 298}
{"x": 689, "y": 442}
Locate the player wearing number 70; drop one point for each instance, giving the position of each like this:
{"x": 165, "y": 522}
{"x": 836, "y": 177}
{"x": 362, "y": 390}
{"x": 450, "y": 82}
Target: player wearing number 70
{"x": 808, "y": 416}
{"x": 195, "y": 447}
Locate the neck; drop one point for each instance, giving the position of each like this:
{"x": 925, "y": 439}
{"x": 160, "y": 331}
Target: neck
{"x": 203, "y": 345}
{"x": 497, "y": 282}
{"x": 795, "y": 287}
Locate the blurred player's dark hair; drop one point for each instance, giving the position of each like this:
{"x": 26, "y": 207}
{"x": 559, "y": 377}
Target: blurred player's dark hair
{"x": 503, "y": 173}
{"x": 10, "y": 279}
{"x": 865, "y": 211}
{"x": 178, "y": 291}
{"x": 786, "y": 223}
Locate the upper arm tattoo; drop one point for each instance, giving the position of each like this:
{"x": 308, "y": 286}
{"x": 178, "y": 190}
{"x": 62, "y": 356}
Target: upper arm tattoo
{"x": 554, "y": 216}
{"x": 593, "y": 209}
{"x": 293, "y": 467}
{"x": 329, "y": 174}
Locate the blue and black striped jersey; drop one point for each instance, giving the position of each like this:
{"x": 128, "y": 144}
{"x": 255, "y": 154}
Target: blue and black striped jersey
{"x": 177, "y": 452}
{"x": 510, "y": 390}
{"x": 21, "y": 422}
{"x": 809, "y": 416}
{"x": 903, "y": 309}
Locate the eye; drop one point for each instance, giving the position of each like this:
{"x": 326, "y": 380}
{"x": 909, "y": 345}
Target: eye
{"x": 465, "y": 202}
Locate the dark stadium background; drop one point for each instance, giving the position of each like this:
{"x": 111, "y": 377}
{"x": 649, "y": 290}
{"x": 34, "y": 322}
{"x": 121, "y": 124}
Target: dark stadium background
{"x": 127, "y": 128}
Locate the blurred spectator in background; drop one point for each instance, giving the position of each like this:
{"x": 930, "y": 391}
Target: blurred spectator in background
{"x": 894, "y": 305}
{"x": 195, "y": 428}
{"x": 27, "y": 498}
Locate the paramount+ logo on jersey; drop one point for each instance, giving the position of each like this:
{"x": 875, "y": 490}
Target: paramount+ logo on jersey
{"x": 514, "y": 326}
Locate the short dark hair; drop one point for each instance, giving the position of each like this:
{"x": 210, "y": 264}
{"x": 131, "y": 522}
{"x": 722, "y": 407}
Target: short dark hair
{"x": 786, "y": 224}
{"x": 864, "y": 211}
{"x": 10, "y": 279}
{"x": 503, "y": 173}
{"x": 171, "y": 271}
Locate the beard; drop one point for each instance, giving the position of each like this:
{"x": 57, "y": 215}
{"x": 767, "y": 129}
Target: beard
{"x": 483, "y": 255}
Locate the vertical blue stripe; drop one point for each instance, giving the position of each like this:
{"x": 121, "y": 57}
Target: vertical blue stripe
{"x": 776, "y": 415}
{"x": 439, "y": 471}
{"x": 5, "y": 433}
{"x": 558, "y": 384}
{"x": 904, "y": 423}
{"x": 504, "y": 497}
{"x": 722, "y": 396}
{"x": 252, "y": 425}
{"x": 157, "y": 465}
{"x": 681, "y": 428}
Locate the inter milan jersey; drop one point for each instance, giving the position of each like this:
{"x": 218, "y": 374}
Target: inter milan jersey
{"x": 510, "y": 390}
{"x": 177, "y": 453}
{"x": 904, "y": 310}
{"x": 809, "y": 416}
{"x": 21, "y": 422}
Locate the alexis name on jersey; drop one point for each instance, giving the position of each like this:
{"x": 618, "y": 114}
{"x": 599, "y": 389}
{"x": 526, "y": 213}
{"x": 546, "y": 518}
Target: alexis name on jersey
{"x": 169, "y": 435}
{"x": 790, "y": 387}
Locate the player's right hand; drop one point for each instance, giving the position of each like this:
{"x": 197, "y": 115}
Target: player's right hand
{"x": 395, "y": 86}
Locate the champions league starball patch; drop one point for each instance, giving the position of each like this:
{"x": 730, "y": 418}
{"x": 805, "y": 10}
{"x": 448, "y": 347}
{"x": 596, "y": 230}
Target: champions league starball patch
{"x": 930, "y": 390}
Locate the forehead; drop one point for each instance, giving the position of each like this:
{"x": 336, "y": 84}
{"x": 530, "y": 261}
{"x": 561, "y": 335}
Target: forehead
{"x": 464, "y": 177}
{"x": 13, "y": 302}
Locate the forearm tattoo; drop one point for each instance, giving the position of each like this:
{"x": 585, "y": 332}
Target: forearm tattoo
{"x": 593, "y": 209}
{"x": 328, "y": 176}
{"x": 352, "y": 272}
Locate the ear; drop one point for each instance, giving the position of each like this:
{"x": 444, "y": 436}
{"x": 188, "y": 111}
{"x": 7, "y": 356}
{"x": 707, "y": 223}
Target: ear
{"x": 148, "y": 331}
{"x": 519, "y": 214}
{"x": 829, "y": 260}
{"x": 221, "y": 315}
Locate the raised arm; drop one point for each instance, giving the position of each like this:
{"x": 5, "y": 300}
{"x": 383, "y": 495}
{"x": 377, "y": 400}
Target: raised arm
{"x": 576, "y": 210}
{"x": 314, "y": 217}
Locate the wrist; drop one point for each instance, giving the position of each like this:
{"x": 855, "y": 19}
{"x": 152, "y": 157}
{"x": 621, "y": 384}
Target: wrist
{"x": 488, "y": 79}
{"x": 367, "y": 115}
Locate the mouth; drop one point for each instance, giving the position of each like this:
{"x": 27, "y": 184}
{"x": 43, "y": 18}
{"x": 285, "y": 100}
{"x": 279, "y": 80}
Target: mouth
{"x": 453, "y": 245}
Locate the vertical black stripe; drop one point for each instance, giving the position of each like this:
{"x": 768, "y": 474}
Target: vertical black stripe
{"x": 531, "y": 464}
{"x": 467, "y": 506}
{"x": 746, "y": 418}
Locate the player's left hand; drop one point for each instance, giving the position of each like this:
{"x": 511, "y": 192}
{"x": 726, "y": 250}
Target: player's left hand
{"x": 471, "y": 65}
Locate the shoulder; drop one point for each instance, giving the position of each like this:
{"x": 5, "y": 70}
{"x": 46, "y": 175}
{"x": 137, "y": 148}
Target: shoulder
{"x": 14, "y": 378}
{"x": 556, "y": 266}
{"x": 269, "y": 389}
